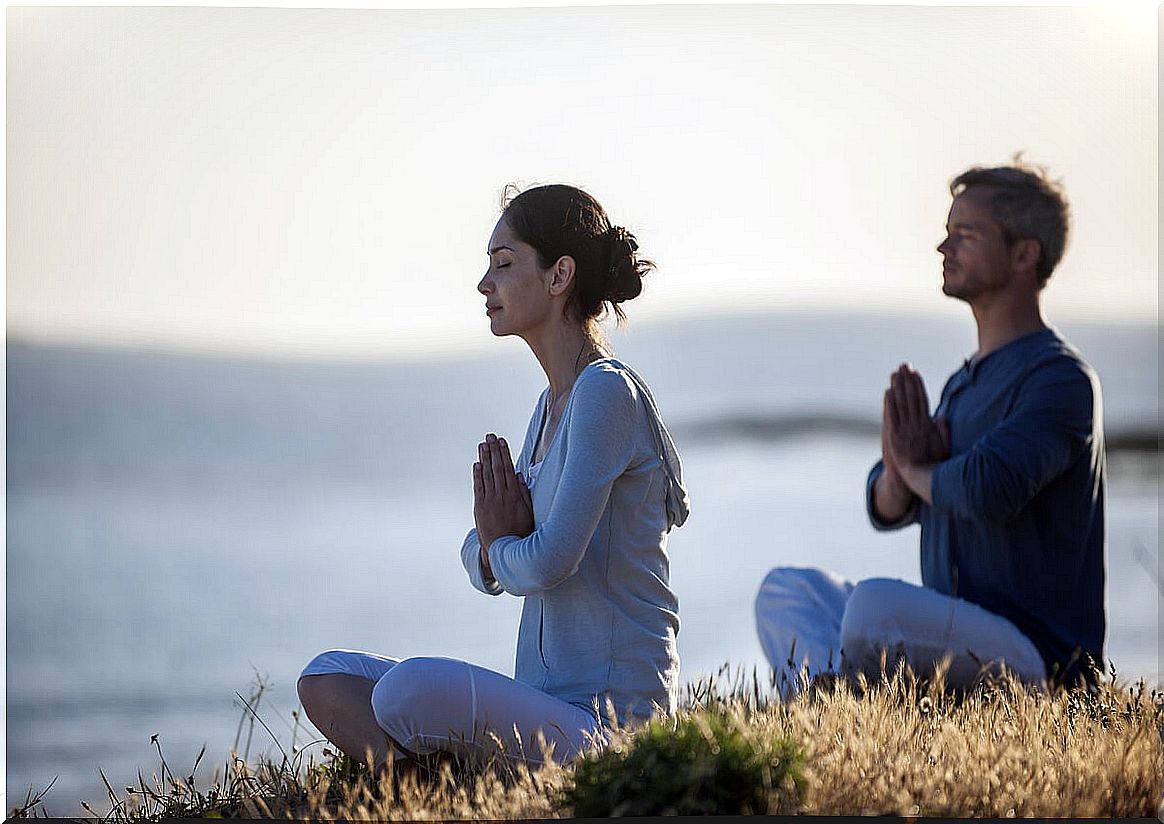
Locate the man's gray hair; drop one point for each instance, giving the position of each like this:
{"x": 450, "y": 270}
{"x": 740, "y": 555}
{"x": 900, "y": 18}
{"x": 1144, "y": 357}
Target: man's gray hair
{"x": 1027, "y": 203}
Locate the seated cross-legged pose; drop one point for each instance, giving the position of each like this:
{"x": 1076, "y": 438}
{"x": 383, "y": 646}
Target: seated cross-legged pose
{"x": 578, "y": 527}
{"x": 1006, "y": 481}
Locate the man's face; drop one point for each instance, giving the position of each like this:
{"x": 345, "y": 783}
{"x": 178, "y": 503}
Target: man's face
{"x": 975, "y": 259}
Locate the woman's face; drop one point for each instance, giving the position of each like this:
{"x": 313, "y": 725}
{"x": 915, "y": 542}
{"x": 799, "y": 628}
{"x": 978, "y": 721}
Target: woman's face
{"x": 516, "y": 294}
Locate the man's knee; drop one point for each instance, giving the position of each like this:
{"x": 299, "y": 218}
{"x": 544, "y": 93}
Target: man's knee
{"x": 871, "y": 623}
{"x": 782, "y": 588}
{"x": 787, "y": 586}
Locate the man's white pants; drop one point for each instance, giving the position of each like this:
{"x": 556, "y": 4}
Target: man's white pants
{"x": 810, "y": 618}
{"x": 434, "y": 704}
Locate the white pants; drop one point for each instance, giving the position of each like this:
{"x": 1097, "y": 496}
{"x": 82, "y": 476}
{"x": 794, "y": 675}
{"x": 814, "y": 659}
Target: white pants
{"x": 806, "y": 617}
{"x": 428, "y": 705}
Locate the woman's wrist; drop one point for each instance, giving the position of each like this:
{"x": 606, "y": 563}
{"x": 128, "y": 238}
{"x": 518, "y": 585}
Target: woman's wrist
{"x": 486, "y": 567}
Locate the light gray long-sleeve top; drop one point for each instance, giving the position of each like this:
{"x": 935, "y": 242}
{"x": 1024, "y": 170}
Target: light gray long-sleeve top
{"x": 599, "y": 620}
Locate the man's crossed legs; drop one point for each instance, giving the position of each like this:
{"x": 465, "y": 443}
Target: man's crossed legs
{"x": 810, "y": 618}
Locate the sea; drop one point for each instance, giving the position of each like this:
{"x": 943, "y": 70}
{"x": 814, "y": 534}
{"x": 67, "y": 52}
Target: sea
{"x": 186, "y": 531}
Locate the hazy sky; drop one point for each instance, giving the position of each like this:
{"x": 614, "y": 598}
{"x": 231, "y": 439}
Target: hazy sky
{"x": 325, "y": 181}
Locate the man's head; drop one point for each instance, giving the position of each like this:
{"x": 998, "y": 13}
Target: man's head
{"x": 1007, "y": 225}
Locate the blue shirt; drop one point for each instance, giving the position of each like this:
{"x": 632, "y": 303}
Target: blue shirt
{"x": 599, "y": 622}
{"x": 1017, "y": 524}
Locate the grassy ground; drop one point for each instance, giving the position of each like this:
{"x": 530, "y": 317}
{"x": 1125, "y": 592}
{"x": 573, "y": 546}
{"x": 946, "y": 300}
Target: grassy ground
{"x": 896, "y": 747}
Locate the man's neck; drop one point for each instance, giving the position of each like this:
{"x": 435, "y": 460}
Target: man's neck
{"x": 1002, "y": 321}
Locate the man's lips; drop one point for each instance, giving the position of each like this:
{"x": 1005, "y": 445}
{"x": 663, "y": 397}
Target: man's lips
{"x": 492, "y": 310}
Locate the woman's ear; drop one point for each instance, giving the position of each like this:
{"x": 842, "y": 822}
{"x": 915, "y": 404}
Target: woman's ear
{"x": 561, "y": 276}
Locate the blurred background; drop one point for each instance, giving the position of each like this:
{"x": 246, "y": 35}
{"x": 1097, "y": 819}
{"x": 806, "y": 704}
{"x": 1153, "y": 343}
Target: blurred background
{"x": 247, "y": 367}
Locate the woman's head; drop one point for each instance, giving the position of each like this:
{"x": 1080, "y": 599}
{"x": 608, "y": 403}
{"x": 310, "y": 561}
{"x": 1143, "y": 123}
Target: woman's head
{"x": 573, "y": 239}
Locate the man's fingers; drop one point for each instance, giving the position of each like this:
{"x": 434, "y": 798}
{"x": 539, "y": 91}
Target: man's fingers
{"x": 899, "y": 391}
{"x": 486, "y": 460}
{"x": 912, "y": 403}
{"x": 892, "y": 413}
{"x": 919, "y": 389}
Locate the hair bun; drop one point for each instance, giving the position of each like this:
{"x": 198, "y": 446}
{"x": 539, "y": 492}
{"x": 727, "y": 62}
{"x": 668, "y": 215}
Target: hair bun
{"x": 624, "y": 276}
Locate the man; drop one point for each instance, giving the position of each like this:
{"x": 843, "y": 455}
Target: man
{"x": 1006, "y": 481}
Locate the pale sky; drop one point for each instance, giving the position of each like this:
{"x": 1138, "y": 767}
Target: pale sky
{"x": 321, "y": 182}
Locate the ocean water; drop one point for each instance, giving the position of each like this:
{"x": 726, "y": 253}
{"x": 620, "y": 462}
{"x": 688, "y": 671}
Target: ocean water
{"x": 177, "y": 525}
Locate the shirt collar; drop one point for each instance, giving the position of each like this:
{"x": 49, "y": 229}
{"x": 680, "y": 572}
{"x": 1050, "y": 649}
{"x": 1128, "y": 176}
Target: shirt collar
{"x": 1013, "y": 351}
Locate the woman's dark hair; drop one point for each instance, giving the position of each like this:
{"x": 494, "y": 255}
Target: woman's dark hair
{"x": 561, "y": 220}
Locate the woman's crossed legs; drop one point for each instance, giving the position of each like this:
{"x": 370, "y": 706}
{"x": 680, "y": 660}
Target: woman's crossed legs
{"x": 422, "y": 706}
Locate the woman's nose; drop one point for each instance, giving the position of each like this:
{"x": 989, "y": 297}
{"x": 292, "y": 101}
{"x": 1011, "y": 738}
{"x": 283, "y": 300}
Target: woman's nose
{"x": 485, "y": 285}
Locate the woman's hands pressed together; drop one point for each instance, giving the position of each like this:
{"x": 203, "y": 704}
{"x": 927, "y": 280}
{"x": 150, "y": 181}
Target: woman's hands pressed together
{"x": 502, "y": 504}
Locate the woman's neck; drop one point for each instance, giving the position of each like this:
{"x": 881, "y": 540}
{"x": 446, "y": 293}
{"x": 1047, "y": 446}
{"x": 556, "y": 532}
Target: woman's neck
{"x": 563, "y": 350}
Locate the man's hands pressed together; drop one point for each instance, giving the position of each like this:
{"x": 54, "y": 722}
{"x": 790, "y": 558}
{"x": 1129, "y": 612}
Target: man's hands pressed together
{"x": 502, "y": 504}
{"x": 911, "y": 443}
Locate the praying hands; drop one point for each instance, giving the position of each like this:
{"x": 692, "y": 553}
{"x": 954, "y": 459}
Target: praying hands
{"x": 502, "y": 504}
{"x": 911, "y": 442}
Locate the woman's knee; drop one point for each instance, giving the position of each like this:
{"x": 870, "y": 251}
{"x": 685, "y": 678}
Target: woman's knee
{"x": 329, "y": 691}
{"x": 312, "y": 685}
{"x": 309, "y": 690}
{"x": 413, "y": 700}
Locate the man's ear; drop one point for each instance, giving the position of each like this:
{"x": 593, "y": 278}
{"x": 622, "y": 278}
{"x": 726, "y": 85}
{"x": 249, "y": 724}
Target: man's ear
{"x": 561, "y": 276}
{"x": 1024, "y": 254}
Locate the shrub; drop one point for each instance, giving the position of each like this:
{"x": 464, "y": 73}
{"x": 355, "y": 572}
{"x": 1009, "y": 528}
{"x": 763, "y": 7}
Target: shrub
{"x": 701, "y": 764}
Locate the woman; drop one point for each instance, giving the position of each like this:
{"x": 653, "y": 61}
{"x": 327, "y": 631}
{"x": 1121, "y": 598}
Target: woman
{"x": 578, "y": 527}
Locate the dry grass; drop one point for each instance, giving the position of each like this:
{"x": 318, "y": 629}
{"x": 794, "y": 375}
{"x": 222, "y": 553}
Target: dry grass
{"x": 898, "y": 747}
{"x": 901, "y": 748}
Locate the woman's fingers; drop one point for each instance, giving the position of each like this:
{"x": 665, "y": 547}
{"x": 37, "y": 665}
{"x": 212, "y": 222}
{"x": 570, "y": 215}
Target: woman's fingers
{"x": 486, "y": 460}
{"x": 501, "y": 478}
{"x": 478, "y": 482}
{"x": 506, "y": 459}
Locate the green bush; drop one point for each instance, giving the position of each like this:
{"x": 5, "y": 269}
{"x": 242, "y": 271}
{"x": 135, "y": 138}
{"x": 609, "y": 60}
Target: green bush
{"x": 706, "y": 763}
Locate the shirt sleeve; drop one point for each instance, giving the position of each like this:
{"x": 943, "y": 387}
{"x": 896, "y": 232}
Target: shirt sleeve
{"x": 600, "y": 444}
{"x": 471, "y": 559}
{"x": 1049, "y": 426}
{"x": 910, "y": 516}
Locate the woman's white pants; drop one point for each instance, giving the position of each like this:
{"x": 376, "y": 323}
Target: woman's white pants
{"x": 810, "y": 619}
{"x": 428, "y": 705}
